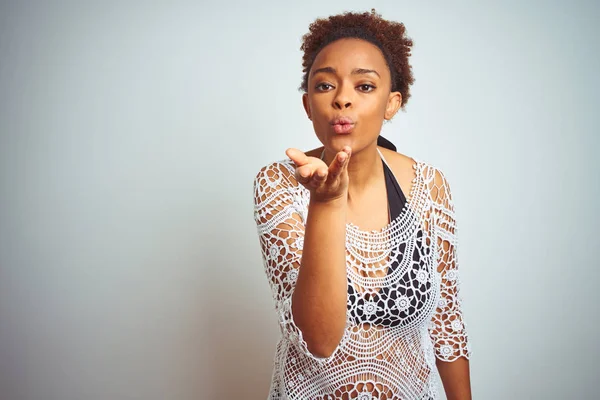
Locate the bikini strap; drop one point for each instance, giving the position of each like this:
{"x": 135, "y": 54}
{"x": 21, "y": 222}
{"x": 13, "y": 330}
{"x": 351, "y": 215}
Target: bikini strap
{"x": 383, "y": 158}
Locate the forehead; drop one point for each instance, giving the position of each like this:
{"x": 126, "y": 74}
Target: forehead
{"x": 349, "y": 53}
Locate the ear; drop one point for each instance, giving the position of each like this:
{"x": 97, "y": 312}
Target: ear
{"x": 393, "y": 105}
{"x": 306, "y": 105}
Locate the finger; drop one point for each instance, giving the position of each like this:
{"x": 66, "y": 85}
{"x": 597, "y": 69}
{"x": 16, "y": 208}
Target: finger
{"x": 304, "y": 173}
{"x": 338, "y": 164}
{"x": 297, "y": 156}
{"x": 321, "y": 174}
{"x": 319, "y": 178}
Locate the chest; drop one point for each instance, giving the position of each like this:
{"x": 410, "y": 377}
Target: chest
{"x": 371, "y": 211}
{"x": 394, "y": 284}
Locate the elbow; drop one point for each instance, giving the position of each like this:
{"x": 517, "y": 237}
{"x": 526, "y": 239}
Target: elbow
{"x": 322, "y": 340}
{"x": 323, "y": 345}
{"x": 322, "y": 348}
{"x": 321, "y": 333}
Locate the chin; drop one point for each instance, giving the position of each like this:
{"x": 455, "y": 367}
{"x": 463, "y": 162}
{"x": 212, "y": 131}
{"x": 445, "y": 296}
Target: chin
{"x": 338, "y": 142}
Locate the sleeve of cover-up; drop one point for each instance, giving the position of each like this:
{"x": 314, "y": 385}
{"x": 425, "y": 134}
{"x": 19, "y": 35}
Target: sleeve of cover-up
{"x": 280, "y": 215}
{"x": 448, "y": 329}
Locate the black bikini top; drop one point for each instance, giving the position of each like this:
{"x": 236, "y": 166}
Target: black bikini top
{"x": 399, "y": 301}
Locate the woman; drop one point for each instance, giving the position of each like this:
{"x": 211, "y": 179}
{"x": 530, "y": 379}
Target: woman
{"x": 359, "y": 241}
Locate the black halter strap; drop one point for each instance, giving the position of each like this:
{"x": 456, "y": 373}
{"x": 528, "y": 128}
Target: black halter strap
{"x": 383, "y": 142}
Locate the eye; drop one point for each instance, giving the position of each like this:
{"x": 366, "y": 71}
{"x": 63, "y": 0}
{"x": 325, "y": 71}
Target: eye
{"x": 366, "y": 87}
{"x": 323, "y": 87}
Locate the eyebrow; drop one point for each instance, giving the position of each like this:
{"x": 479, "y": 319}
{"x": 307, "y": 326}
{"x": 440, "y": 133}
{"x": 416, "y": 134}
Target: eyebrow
{"x": 355, "y": 71}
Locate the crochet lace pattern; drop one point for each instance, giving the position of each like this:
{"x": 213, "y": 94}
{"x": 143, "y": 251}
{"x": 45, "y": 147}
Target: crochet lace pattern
{"x": 372, "y": 361}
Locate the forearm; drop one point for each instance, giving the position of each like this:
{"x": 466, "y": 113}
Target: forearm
{"x": 319, "y": 299}
{"x": 455, "y": 378}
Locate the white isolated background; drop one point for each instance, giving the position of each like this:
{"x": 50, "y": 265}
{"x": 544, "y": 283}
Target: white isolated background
{"x": 130, "y": 136}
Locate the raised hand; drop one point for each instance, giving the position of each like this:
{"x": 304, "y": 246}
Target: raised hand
{"x": 325, "y": 183}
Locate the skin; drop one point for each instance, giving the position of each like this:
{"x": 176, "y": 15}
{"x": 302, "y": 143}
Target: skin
{"x": 349, "y": 78}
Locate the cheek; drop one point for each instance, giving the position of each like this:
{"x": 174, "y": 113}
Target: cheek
{"x": 321, "y": 111}
{"x": 374, "y": 110}
{"x": 319, "y": 103}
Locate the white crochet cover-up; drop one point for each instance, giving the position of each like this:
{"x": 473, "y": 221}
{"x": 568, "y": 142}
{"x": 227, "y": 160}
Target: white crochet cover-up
{"x": 371, "y": 361}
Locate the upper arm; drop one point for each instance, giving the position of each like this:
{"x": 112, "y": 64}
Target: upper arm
{"x": 280, "y": 224}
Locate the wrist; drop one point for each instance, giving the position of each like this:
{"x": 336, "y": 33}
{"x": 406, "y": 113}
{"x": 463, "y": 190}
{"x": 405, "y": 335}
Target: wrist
{"x": 337, "y": 202}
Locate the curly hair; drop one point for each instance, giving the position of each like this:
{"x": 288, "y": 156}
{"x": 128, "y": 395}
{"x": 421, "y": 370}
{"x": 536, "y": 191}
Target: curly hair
{"x": 389, "y": 36}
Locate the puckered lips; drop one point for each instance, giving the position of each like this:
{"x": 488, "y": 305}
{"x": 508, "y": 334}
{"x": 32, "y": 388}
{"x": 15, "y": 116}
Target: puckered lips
{"x": 342, "y": 125}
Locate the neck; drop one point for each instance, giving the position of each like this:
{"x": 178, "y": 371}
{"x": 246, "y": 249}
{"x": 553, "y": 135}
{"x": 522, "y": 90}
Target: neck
{"x": 363, "y": 169}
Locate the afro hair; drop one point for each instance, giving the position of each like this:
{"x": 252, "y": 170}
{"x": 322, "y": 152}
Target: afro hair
{"x": 389, "y": 36}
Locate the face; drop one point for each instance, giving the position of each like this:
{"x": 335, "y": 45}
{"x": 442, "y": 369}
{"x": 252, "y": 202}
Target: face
{"x": 349, "y": 95}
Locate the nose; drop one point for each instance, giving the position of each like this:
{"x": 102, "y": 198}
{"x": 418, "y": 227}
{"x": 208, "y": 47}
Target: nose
{"x": 342, "y": 98}
{"x": 341, "y": 104}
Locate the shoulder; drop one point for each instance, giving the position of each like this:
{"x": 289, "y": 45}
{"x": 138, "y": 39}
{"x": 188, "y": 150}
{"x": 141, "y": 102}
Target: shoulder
{"x": 434, "y": 178}
{"x": 275, "y": 186}
{"x": 404, "y": 165}
{"x": 276, "y": 173}
{"x": 438, "y": 184}
{"x": 397, "y": 160}
{"x": 277, "y": 192}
